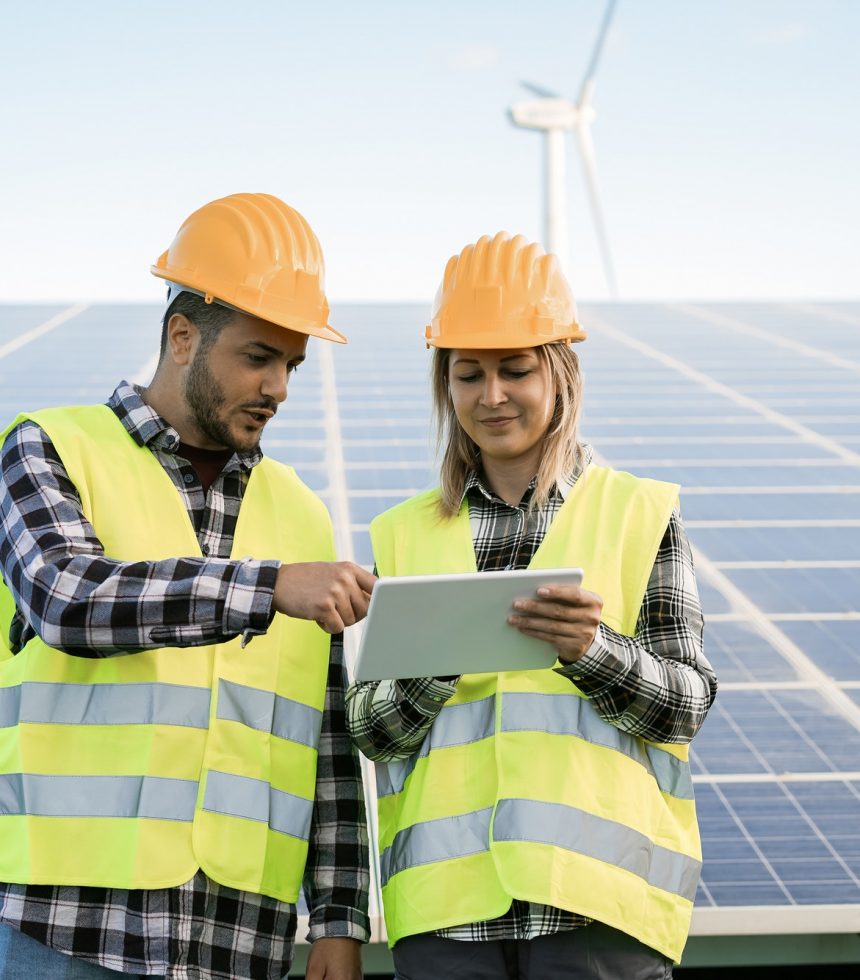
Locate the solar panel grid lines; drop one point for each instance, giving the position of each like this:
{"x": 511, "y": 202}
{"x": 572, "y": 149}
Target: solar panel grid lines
{"x": 836, "y": 776}
{"x": 751, "y": 727}
{"x": 776, "y": 840}
{"x": 27, "y": 336}
{"x": 755, "y": 685}
{"x": 732, "y": 617}
{"x": 787, "y": 462}
{"x": 822, "y": 311}
{"x": 740, "y": 400}
{"x": 845, "y": 544}
{"x": 700, "y": 440}
{"x": 661, "y": 415}
{"x": 816, "y": 404}
{"x": 614, "y": 391}
{"x": 777, "y": 589}
{"x": 18, "y": 318}
{"x": 770, "y": 336}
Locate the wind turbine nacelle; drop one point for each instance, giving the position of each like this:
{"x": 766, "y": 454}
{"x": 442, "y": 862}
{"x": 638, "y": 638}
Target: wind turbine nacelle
{"x": 545, "y": 114}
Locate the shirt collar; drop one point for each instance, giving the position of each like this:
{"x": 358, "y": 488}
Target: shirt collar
{"x": 562, "y": 487}
{"x": 148, "y": 428}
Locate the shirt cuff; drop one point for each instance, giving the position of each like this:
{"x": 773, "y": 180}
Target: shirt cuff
{"x": 598, "y": 668}
{"x": 429, "y": 693}
{"x": 340, "y": 920}
{"x": 248, "y": 605}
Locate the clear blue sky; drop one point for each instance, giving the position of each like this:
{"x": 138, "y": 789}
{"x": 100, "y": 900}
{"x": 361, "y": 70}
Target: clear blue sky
{"x": 727, "y": 138}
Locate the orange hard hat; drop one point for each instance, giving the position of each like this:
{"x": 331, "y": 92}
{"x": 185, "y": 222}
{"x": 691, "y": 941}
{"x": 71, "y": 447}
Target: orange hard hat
{"x": 257, "y": 254}
{"x": 503, "y": 292}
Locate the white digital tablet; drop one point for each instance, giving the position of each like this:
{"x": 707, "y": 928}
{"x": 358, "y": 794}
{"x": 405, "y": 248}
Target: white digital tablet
{"x": 442, "y": 625}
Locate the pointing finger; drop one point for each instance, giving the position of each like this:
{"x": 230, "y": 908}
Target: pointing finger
{"x": 366, "y": 580}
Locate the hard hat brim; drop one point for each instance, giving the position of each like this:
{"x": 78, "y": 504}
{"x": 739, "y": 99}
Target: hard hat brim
{"x": 495, "y": 341}
{"x": 298, "y": 324}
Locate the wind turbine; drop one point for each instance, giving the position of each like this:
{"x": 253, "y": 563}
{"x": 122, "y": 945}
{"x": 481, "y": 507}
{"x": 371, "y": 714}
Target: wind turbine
{"x": 557, "y": 115}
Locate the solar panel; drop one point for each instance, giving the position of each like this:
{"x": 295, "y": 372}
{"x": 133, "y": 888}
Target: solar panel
{"x": 832, "y": 644}
{"x": 733, "y": 401}
{"x": 740, "y": 653}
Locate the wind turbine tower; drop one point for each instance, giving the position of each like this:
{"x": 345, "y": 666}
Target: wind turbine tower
{"x": 556, "y": 116}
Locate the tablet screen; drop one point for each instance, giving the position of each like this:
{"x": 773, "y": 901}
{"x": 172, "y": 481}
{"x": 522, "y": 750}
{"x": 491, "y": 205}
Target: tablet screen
{"x": 442, "y": 625}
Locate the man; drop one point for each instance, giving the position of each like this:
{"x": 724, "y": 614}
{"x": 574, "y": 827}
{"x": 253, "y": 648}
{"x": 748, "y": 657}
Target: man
{"x": 173, "y": 759}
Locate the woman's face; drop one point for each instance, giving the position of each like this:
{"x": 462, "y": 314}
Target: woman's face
{"x": 504, "y": 400}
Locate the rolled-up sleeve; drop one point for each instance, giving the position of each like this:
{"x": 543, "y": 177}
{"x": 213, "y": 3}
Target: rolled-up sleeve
{"x": 390, "y": 719}
{"x": 657, "y": 684}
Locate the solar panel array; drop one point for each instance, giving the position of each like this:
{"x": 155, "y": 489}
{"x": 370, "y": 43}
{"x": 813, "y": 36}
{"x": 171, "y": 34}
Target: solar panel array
{"x": 755, "y": 409}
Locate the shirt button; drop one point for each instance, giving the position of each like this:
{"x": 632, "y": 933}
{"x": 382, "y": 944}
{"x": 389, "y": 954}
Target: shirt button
{"x": 188, "y": 478}
{"x": 205, "y": 549}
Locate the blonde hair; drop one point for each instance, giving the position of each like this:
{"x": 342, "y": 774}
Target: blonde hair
{"x": 562, "y": 451}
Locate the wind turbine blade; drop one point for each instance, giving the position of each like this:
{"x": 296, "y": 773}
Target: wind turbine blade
{"x": 586, "y": 148}
{"x": 587, "y": 85}
{"x": 544, "y": 93}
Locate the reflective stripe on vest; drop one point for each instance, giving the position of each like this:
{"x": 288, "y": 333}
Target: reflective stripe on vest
{"x": 436, "y": 840}
{"x": 36, "y": 702}
{"x": 152, "y": 797}
{"x": 131, "y": 737}
{"x": 568, "y": 827}
{"x": 541, "y": 823}
{"x": 563, "y": 714}
{"x": 456, "y": 724}
{"x": 521, "y": 789}
{"x": 255, "y": 799}
{"x": 266, "y": 711}
{"x": 558, "y": 714}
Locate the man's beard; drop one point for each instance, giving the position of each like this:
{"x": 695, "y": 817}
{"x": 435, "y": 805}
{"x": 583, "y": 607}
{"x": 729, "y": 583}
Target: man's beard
{"x": 205, "y": 400}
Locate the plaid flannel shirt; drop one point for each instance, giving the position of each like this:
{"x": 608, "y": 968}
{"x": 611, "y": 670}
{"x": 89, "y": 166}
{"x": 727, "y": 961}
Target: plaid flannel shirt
{"x": 89, "y": 605}
{"x": 657, "y": 684}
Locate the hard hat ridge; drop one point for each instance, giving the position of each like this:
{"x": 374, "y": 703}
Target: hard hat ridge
{"x": 503, "y": 292}
{"x": 257, "y": 254}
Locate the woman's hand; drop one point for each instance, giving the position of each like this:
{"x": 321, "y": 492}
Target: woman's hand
{"x": 565, "y": 616}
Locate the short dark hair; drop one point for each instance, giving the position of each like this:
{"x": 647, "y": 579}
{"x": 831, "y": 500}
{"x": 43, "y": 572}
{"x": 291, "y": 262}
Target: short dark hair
{"x": 209, "y": 318}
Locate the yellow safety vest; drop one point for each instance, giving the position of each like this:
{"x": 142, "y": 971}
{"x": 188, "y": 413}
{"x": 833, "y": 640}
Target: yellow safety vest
{"x": 134, "y": 771}
{"x": 520, "y": 789}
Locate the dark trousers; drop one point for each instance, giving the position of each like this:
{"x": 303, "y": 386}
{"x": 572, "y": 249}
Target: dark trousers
{"x": 593, "y": 952}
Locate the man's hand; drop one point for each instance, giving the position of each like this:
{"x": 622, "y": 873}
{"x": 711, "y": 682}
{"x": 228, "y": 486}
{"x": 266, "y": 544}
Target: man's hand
{"x": 333, "y": 594}
{"x": 565, "y": 616}
{"x": 334, "y": 958}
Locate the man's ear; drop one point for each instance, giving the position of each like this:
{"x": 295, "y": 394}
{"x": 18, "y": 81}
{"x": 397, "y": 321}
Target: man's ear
{"x": 182, "y": 339}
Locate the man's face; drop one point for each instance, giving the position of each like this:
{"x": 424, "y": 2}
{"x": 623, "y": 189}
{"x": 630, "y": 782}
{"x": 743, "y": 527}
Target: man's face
{"x": 234, "y": 387}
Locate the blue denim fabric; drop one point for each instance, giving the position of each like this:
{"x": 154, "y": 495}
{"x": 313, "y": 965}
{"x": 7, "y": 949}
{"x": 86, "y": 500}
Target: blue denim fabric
{"x": 23, "y": 958}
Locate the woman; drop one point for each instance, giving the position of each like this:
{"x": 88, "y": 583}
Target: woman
{"x": 537, "y": 823}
